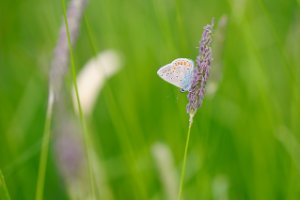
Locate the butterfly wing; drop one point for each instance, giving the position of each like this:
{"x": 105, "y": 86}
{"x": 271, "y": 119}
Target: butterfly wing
{"x": 176, "y": 72}
{"x": 167, "y": 73}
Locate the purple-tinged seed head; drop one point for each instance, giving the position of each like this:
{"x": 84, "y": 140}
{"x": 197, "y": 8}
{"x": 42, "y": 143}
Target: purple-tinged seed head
{"x": 201, "y": 71}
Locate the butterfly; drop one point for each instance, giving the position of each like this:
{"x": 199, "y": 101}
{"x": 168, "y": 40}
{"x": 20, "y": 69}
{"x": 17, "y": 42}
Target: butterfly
{"x": 179, "y": 73}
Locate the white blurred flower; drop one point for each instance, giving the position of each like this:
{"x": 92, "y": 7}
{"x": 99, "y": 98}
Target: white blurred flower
{"x": 290, "y": 143}
{"x": 238, "y": 9}
{"x": 92, "y": 77}
{"x": 220, "y": 186}
{"x": 164, "y": 162}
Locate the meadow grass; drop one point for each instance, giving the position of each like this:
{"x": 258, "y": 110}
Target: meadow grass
{"x": 182, "y": 174}
{"x": 4, "y": 194}
{"x": 243, "y": 143}
{"x": 87, "y": 143}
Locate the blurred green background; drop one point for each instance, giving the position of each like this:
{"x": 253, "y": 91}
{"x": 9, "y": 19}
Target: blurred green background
{"x": 244, "y": 140}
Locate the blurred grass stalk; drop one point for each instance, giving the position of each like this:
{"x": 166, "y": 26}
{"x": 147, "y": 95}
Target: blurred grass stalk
{"x": 274, "y": 112}
{"x": 86, "y": 138}
{"x": 93, "y": 76}
{"x": 290, "y": 143}
{"x": 91, "y": 79}
{"x": 45, "y": 147}
{"x": 165, "y": 164}
{"x": 216, "y": 72}
{"x": 138, "y": 184}
{"x": 220, "y": 187}
{"x": 90, "y": 82}
{"x": 58, "y": 70}
{"x": 4, "y": 194}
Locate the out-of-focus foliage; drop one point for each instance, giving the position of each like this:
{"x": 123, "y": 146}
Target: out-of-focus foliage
{"x": 244, "y": 140}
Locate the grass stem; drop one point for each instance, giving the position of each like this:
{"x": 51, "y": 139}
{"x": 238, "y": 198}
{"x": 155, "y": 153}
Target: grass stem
{"x": 184, "y": 158}
{"x": 120, "y": 128}
{"x": 82, "y": 122}
{"x": 44, "y": 148}
{"x": 4, "y": 194}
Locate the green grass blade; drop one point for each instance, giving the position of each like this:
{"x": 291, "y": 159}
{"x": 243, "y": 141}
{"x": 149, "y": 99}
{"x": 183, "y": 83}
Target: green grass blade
{"x": 184, "y": 159}
{"x": 82, "y": 122}
{"x": 4, "y": 195}
{"x": 120, "y": 126}
{"x": 44, "y": 149}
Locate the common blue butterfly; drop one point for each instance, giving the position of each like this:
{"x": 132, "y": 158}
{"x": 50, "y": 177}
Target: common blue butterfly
{"x": 179, "y": 73}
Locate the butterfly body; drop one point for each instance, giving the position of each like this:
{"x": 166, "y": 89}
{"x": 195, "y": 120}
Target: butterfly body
{"x": 179, "y": 73}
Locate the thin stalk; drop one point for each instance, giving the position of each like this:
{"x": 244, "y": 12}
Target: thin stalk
{"x": 90, "y": 35}
{"x": 184, "y": 158}
{"x": 120, "y": 127}
{"x": 81, "y": 118}
{"x": 4, "y": 194}
{"x": 44, "y": 148}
